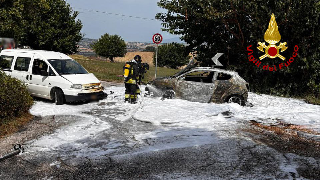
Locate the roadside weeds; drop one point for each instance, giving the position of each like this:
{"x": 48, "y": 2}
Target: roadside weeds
{"x": 289, "y": 138}
{"x": 13, "y": 126}
{"x": 286, "y": 138}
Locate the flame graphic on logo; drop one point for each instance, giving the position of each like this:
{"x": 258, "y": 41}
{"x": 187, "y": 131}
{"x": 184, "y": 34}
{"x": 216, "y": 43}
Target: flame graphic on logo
{"x": 272, "y": 35}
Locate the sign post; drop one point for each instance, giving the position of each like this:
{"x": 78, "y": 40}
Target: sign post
{"x": 157, "y": 39}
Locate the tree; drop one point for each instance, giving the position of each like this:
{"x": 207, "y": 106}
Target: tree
{"x": 110, "y": 46}
{"x": 172, "y": 55}
{"x": 209, "y": 26}
{"x": 150, "y": 49}
{"x": 41, "y": 24}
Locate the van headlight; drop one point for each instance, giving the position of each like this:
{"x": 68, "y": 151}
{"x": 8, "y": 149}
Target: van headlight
{"x": 77, "y": 86}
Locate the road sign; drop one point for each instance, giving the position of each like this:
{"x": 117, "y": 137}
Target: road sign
{"x": 157, "y": 38}
{"x": 215, "y": 59}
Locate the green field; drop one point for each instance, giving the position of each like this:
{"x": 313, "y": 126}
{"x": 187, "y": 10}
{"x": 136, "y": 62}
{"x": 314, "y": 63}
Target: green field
{"x": 107, "y": 71}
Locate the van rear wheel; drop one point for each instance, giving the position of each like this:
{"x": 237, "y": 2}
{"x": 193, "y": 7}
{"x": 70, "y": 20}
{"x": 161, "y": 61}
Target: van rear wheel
{"x": 58, "y": 97}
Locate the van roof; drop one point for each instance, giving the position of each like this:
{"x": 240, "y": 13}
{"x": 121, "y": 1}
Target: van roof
{"x": 44, "y": 53}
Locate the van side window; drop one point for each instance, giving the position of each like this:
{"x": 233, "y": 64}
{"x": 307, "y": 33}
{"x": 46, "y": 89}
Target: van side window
{"x": 22, "y": 64}
{"x": 38, "y": 66}
{"x": 6, "y": 61}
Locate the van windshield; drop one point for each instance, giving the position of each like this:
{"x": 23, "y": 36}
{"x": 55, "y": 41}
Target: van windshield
{"x": 67, "y": 66}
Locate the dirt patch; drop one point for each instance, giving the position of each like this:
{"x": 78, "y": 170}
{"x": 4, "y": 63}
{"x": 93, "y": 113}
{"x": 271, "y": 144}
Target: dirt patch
{"x": 14, "y": 125}
{"x": 147, "y": 57}
{"x": 36, "y": 128}
{"x": 286, "y": 138}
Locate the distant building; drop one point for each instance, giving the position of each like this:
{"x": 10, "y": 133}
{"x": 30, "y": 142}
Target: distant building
{"x": 84, "y": 46}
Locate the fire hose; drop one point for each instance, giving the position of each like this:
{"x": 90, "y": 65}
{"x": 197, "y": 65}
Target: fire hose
{"x": 17, "y": 149}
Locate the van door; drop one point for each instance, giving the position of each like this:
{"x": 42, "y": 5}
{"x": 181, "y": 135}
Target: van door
{"x": 40, "y": 78}
{"x": 21, "y": 68}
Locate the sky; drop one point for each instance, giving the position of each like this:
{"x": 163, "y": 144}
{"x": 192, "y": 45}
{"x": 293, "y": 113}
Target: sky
{"x": 131, "y": 29}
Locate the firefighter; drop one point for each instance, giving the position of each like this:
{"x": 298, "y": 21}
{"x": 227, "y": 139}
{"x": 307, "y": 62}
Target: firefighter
{"x": 143, "y": 67}
{"x": 139, "y": 65}
{"x": 131, "y": 75}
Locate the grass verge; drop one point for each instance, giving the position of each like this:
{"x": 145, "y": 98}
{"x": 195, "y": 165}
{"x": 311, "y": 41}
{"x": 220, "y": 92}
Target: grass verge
{"x": 11, "y": 126}
{"x": 312, "y": 100}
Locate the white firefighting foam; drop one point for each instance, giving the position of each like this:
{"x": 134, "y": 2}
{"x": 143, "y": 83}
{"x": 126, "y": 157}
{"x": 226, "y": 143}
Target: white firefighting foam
{"x": 179, "y": 123}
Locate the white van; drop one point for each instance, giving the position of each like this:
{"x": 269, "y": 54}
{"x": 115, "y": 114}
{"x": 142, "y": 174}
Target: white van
{"x": 51, "y": 75}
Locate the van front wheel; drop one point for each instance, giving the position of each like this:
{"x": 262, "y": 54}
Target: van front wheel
{"x": 58, "y": 97}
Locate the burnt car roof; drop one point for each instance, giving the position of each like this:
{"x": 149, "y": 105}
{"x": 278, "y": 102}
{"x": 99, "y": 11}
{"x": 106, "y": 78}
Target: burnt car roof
{"x": 184, "y": 71}
{"x": 212, "y": 69}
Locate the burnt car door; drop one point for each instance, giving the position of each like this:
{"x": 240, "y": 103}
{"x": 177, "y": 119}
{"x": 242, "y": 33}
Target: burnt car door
{"x": 195, "y": 86}
{"x": 223, "y": 84}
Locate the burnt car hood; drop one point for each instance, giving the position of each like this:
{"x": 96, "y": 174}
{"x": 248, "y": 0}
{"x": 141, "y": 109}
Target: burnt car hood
{"x": 192, "y": 64}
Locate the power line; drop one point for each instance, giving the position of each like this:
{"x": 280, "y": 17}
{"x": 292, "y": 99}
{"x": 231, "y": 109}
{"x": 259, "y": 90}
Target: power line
{"x": 81, "y": 10}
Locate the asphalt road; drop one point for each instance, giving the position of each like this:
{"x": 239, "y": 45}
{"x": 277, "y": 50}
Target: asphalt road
{"x": 250, "y": 152}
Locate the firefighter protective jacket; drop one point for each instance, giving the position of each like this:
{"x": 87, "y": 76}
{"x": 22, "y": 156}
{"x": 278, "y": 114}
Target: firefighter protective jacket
{"x": 131, "y": 73}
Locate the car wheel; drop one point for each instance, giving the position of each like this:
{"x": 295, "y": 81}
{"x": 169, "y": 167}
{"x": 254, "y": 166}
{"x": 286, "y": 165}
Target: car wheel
{"x": 168, "y": 94}
{"x": 58, "y": 97}
{"x": 236, "y": 99}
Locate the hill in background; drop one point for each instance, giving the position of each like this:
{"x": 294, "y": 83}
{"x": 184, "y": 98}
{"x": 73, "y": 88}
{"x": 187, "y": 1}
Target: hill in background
{"x": 133, "y": 48}
{"x": 85, "y": 45}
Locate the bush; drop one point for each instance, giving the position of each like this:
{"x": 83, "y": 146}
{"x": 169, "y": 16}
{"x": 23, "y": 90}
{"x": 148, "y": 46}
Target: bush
{"x": 150, "y": 49}
{"x": 15, "y": 100}
{"x": 4, "y": 64}
{"x": 171, "y": 55}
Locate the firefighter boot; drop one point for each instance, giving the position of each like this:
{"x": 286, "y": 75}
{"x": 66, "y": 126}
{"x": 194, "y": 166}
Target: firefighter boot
{"x": 133, "y": 99}
{"x": 127, "y": 98}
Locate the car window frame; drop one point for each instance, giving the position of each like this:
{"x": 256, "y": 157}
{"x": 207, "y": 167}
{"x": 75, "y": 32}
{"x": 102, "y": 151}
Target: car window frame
{"x": 224, "y": 74}
{"x": 183, "y": 76}
{"x": 33, "y": 66}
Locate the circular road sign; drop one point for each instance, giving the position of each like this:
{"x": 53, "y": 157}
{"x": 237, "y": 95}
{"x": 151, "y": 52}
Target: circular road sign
{"x": 157, "y": 38}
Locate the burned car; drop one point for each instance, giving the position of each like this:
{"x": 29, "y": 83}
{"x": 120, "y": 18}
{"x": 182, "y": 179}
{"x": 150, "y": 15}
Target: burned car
{"x": 202, "y": 84}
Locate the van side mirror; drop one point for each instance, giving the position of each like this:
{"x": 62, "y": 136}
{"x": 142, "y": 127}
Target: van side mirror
{"x": 44, "y": 73}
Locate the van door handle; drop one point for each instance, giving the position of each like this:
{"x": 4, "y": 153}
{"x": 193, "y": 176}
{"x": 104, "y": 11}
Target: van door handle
{"x": 27, "y": 77}
{"x": 30, "y": 77}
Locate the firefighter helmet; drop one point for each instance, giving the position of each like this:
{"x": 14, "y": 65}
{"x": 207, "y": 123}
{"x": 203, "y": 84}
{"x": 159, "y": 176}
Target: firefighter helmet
{"x": 137, "y": 58}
